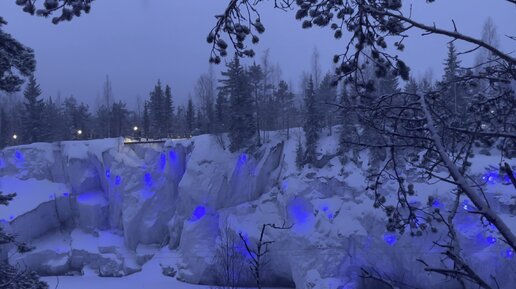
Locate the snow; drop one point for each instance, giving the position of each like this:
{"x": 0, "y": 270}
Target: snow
{"x": 150, "y": 277}
{"x": 118, "y": 206}
{"x": 30, "y": 194}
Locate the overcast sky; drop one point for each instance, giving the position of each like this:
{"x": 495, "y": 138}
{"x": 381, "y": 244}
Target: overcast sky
{"x": 137, "y": 42}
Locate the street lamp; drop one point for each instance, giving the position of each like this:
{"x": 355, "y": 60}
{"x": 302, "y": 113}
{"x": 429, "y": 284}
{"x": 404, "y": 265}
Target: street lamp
{"x": 79, "y": 132}
{"x": 15, "y": 137}
{"x": 135, "y": 128}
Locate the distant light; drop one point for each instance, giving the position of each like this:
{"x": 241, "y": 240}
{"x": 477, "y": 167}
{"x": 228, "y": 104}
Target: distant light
{"x": 79, "y": 132}
{"x": 509, "y": 254}
{"x": 135, "y": 128}
{"x": 15, "y": 136}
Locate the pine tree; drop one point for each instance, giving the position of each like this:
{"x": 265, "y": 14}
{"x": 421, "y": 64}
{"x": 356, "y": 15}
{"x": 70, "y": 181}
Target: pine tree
{"x": 256, "y": 78}
{"x": 236, "y": 85}
{"x": 190, "y": 117}
{"x": 326, "y": 94}
{"x": 5, "y": 131}
{"x": 300, "y": 156}
{"x": 285, "y": 99}
{"x": 168, "y": 110}
{"x": 16, "y": 61}
{"x": 411, "y": 86}
{"x": 221, "y": 113}
{"x": 33, "y": 113}
{"x": 311, "y": 125}
{"x": 52, "y": 121}
{"x": 119, "y": 119}
{"x": 454, "y": 91}
{"x": 156, "y": 111}
{"x": 146, "y": 120}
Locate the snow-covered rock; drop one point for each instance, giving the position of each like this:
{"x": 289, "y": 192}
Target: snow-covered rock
{"x": 108, "y": 207}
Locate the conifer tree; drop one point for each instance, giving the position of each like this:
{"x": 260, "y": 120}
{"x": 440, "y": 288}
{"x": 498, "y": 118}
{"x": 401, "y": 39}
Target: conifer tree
{"x": 146, "y": 120}
{"x": 190, "y": 117}
{"x": 256, "y": 78}
{"x": 33, "y": 112}
{"x": 242, "y": 126}
{"x": 326, "y": 94}
{"x": 168, "y": 110}
{"x": 454, "y": 91}
{"x": 285, "y": 99}
{"x": 311, "y": 124}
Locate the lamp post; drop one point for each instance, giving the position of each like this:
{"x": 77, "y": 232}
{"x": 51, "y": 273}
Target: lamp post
{"x": 136, "y": 132}
{"x": 15, "y": 138}
{"x": 79, "y": 133}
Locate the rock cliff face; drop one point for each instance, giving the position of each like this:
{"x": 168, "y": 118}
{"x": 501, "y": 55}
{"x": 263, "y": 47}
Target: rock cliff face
{"x": 110, "y": 207}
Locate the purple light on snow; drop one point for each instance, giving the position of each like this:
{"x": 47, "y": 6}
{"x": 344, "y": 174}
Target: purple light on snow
{"x": 491, "y": 240}
{"x": 325, "y": 208}
{"x": 66, "y": 194}
{"x": 330, "y": 216}
{"x": 118, "y": 180}
{"x": 198, "y": 213}
{"x": 436, "y": 204}
{"x": 298, "y": 210}
{"x": 11, "y": 217}
{"x": 172, "y": 155}
{"x": 108, "y": 174}
{"x": 162, "y": 161}
{"x": 390, "y": 239}
{"x": 148, "y": 179}
{"x": 18, "y": 155}
{"x": 509, "y": 253}
{"x": 242, "y": 160}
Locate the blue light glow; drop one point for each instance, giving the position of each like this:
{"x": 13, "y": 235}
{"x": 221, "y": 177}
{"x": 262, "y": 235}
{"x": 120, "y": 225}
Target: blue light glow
{"x": 390, "y": 239}
{"x": 325, "y": 208}
{"x": 118, "y": 180}
{"x": 66, "y": 194}
{"x": 198, "y": 213}
{"x": 509, "y": 253}
{"x": 242, "y": 160}
{"x": 330, "y": 216}
{"x": 173, "y": 156}
{"x": 162, "y": 161}
{"x": 491, "y": 240}
{"x": 298, "y": 210}
{"x": 148, "y": 179}
{"x": 436, "y": 204}
{"x": 18, "y": 155}
{"x": 11, "y": 217}
{"x": 108, "y": 174}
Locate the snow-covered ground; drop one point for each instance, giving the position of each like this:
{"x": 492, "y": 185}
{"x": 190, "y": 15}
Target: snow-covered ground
{"x": 103, "y": 207}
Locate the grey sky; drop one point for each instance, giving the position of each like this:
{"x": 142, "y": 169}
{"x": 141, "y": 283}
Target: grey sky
{"x": 138, "y": 41}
